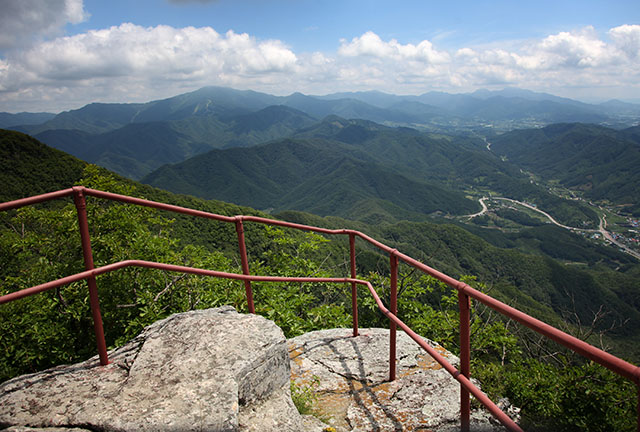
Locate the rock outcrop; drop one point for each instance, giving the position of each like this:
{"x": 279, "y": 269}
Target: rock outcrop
{"x": 217, "y": 370}
{"x": 208, "y": 370}
{"x": 350, "y": 376}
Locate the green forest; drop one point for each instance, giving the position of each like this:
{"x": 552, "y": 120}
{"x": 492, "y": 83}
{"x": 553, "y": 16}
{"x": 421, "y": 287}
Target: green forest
{"x": 555, "y": 389}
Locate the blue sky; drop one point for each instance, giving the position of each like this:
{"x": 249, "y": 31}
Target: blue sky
{"x": 72, "y": 52}
{"x": 312, "y": 25}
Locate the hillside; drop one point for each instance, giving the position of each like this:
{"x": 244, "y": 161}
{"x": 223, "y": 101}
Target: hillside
{"x": 27, "y": 167}
{"x": 135, "y": 149}
{"x": 319, "y": 176}
{"x": 535, "y": 282}
{"x": 8, "y": 120}
{"x": 599, "y": 162}
{"x": 216, "y": 117}
{"x": 363, "y": 170}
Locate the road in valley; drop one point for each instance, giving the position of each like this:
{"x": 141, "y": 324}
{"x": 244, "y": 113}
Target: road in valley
{"x": 602, "y": 229}
{"x": 608, "y": 236}
{"x": 553, "y": 221}
{"x": 481, "y": 212}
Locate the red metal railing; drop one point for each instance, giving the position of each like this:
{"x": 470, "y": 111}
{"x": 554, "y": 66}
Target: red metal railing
{"x": 465, "y": 292}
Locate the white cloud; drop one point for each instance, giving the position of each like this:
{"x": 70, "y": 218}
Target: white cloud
{"x": 22, "y": 21}
{"x": 581, "y": 49}
{"x": 370, "y": 44}
{"x": 129, "y": 57}
{"x": 627, "y": 39}
{"x": 133, "y": 63}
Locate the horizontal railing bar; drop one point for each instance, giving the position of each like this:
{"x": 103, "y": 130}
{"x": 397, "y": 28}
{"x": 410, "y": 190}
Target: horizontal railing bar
{"x": 147, "y": 203}
{"x": 10, "y": 205}
{"x": 293, "y": 225}
{"x": 455, "y": 373}
{"x": 168, "y": 267}
{"x": 213, "y": 273}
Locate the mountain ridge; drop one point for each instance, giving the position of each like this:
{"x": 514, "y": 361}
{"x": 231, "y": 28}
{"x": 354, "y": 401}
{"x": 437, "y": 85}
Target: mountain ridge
{"x": 220, "y": 117}
{"x": 534, "y": 283}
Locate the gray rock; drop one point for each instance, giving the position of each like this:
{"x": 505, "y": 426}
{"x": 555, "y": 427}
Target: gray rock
{"x": 28, "y": 429}
{"x": 217, "y": 370}
{"x": 350, "y": 377}
{"x": 200, "y": 370}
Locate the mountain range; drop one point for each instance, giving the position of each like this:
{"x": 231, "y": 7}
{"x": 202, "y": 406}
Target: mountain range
{"x": 135, "y": 139}
{"x": 535, "y": 282}
{"x": 342, "y": 167}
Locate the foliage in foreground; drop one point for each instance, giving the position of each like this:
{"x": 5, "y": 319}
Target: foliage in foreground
{"x": 559, "y": 392}
{"x": 41, "y": 244}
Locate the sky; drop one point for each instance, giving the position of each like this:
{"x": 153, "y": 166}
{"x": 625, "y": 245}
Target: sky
{"x": 58, "y": 55}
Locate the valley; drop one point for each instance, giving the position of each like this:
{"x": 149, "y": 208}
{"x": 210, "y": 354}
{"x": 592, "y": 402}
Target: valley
{"x": 622, "y": 235}
{"x": 527, "y": 237}
{"x": 533, "y": 213}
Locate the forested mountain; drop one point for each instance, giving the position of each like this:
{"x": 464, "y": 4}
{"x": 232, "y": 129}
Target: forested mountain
{"x": 319, "y": 176}
{"x": 132, "y": 150}
{"x": 508, "y": 105}
{"x": 216, "y": 117}
{"x": 386, "y": 173}
{"x": 40, "y": 243}
{"x": 137, "y": 148}
{"x": 600, "y": 162}
{"x": 8, "y": 120}
{"x": 540, "y": 285}
{"x": 27, "y": 167}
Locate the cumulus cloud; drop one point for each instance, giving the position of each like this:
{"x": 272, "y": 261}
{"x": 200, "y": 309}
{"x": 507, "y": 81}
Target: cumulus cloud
{"x": 133, "y": 63}
{"x": 22, "y": 21}
{"x": 626, "y": 38}
{"x": 578, "y": 49}
{"x": 131, "y": 55}
{"x": 370, "y": 44}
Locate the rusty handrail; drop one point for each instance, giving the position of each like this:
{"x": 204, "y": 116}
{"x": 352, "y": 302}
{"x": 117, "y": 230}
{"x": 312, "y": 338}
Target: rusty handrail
{"x": 89, "y": 274}
{"x": 465, "y": 292}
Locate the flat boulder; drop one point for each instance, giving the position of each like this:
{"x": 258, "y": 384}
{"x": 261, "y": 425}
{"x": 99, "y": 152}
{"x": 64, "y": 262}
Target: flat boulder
{"x": 205, "y": 370}
{"x": 350, "y": 379}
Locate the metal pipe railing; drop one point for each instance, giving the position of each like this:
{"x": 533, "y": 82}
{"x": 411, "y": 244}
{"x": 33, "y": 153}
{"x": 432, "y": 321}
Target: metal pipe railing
{"x": 354, "y": 287}
{"x": 393, "y": 308}
{"x": 464, "y": 305}
{"x": 91, "y": 274}
{"x": 242, "y": 248}
{"x": 465, "y": 292}
{"x": 94, "y": 301}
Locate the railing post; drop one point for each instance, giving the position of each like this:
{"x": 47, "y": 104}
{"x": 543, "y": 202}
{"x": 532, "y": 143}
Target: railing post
{"x": 465, "y": 358}
{"x": 354, "y": 287}
{"x": 83, "y": 226}
{"x": 393, "y": 308}
{"x": 245, "y": 264}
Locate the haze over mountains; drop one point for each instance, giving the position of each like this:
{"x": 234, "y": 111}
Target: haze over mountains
{"x": 365, "y": 155}
{"x": 177, "y": 128}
